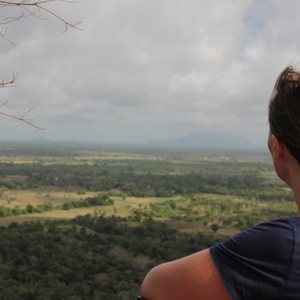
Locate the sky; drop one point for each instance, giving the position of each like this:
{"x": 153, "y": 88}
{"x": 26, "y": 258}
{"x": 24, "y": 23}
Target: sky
{"x": 147, "y": 69}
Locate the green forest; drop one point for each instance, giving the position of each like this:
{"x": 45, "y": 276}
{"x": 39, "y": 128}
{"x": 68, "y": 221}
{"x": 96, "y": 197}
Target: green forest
{"x": 88, "y": 222}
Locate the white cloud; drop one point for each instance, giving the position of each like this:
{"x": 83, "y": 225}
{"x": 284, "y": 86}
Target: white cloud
{"x": 149, "y": 69}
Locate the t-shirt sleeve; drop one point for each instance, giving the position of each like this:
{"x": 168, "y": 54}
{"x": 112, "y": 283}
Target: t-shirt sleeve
{"x": 255, "y": 263}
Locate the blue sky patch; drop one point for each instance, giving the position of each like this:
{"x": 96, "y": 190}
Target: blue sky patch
{"x": 257, "y": 15}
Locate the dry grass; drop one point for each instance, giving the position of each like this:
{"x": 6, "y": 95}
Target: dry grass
{"x": 198, "y": 226}
{"x": 122, "y": 208}
{"x": 59, "y": 196}
{"x": 82, "y": 159}
{"x": 35, "y": 197}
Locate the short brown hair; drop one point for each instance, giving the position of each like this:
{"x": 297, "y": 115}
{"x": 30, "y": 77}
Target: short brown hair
{"x": 284, "y": 110}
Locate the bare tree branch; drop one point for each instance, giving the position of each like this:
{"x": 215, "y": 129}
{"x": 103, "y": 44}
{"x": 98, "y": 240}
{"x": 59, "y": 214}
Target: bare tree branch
{"x": 3, "y": 103}
{"x": 7, "y": 81}
{"x": 21, "y": 118}
{"x": 3, "y": 36}
{"x": 27, "y": 8}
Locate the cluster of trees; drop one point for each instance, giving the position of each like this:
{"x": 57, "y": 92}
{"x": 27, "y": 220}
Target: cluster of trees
{"x": 87, "y": 257}
{"x": 99, "y": 200}
{"x": 29, "y": 209}
{"x": 223, "y": 211}
{"x": 148, "y": 178}
{"x": 107, "y": 258}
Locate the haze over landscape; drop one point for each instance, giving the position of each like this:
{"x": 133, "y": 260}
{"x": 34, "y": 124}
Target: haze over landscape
{"x": 148, "y": 70}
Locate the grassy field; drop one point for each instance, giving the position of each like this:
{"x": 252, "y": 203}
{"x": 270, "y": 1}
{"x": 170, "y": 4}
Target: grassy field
{"x": 12, "y": 198}
{"x": 186, "y": 217}
{"x": 56, "y": 196}
{"x": 122, "y": 208}
{"x": 85, "y": 158}
{"x": 196, "y": 210}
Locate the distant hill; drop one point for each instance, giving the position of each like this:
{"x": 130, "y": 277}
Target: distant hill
{"x": 208, "y": 140}
{"x": 199, "y": 140}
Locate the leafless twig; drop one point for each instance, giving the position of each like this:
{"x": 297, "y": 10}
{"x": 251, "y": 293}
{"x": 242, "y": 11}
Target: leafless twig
{"x": 28, "y": 8}
{"x": 4, "y": 83}
{"x": 7, "y": 81}
{"x": 21, "y": 118}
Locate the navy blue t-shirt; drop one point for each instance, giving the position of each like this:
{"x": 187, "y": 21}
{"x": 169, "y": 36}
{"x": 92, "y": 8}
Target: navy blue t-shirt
{"x": 262, "y": 262}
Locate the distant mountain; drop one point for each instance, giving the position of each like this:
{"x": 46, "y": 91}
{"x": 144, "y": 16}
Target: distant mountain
{"x": 208, "y": 140}
{"x": 43, "y": 141}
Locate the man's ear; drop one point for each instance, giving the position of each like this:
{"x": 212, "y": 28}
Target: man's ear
{"x": 277, "y": 148}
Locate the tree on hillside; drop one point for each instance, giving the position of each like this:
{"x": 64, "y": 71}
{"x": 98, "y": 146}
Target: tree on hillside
{"x": 215, "y": 227}
{"x": 13, "y": 11}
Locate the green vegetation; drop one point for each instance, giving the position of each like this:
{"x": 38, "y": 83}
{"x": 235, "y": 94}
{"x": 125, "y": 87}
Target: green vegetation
{"x": 145, "y": 207}
{"x": 100, "y": 200}
{"x": 155, "y": 175}
{"x": 86, "y": 258}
